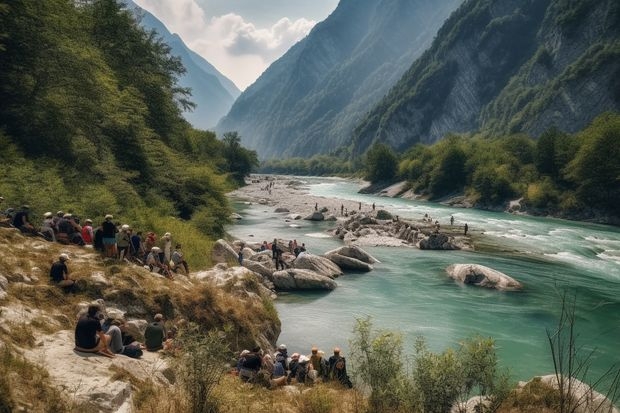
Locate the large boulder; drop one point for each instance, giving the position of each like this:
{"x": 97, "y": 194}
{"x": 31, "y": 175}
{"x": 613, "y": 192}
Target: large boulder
{"x": 349, "y": 263}
{"x": 482, "y": 276}
{"x": 224, "y": 252}
{"x": 437, "y": 241}
{"x": 259, "y": 268}
{"x": 315, "y": 216}
{"x": 297, "y": 279}
{"x": 318, "y": 264}
{"x": 353, "y": 251}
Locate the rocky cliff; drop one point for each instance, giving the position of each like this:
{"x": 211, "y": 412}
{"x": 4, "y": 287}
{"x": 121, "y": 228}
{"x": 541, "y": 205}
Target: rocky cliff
{"x": 309, "y": 100}
{"x": 505, "y": 66}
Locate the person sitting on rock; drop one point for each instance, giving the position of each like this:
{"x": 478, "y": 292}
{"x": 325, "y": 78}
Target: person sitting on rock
{"x": 115, "y": 343}
{"x": 251, "y": 365}
{"x": 178, "y": 261}
{"x": 155, "y": 334}
{"x": 293, "y": 365}
{"x": 59, "y": 273}
{"x": 69, "y": 230}
{"x": 21, "y": 221}
{"x": 47, "y": 227}
{"x": 319, "y": 364}
{"x": 89, "y": 337}
{"x": 338, "y": 369}
{"x": 281, "y": 356}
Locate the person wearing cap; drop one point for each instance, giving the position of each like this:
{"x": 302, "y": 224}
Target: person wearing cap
{"x": 293, "y": 365}
{"x": 153, "y": 260}
{"x": 123, "y": 240}
{"x": 59, "y": 273}
{"x": 251, "y": 364}
{"x": 281, "y": 356}
{"x": 21, "y": 221}
{"x": 47, "y": 226}
{"x": 87, "y": 232}
{"x": 109, "y": 231}
{"x": 70, "y": 230}
{"x": 155, "y": 334}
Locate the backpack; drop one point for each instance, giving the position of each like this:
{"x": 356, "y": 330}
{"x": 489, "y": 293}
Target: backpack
{"x": 134, "y": 352}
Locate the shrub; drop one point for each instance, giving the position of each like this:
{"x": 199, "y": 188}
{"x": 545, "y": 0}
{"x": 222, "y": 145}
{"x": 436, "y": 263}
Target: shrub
{"x": 201, "y": 366}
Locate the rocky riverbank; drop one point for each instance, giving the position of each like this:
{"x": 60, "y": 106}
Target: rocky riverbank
{"x": 356, "y": 223}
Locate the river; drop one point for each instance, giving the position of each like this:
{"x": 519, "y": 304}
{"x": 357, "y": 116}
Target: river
{"x": 409, "y": 291}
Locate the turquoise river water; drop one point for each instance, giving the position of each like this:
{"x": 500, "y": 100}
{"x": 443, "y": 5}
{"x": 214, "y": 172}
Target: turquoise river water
{"x": 410, "y": 292}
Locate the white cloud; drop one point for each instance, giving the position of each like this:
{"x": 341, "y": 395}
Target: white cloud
{"x": 238, "y": 48}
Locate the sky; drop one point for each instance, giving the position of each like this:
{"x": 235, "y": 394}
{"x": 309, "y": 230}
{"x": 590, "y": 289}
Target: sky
{"x": 241, "y": 38}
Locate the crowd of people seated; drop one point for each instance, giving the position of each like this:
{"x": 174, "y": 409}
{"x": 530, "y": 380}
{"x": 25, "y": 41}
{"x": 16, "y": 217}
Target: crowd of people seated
{"x": 278, "y": 369}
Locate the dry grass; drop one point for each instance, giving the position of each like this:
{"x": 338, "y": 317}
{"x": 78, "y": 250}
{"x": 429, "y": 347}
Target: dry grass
{"x": 27, "y": 387}
{"x": 534, "y": 397}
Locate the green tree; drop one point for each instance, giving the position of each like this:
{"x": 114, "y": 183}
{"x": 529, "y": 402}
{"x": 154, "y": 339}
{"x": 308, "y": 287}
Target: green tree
{"x": 596, "y": 167}
{"x": 239, "y": 160}
{"x": 380, "y": 163}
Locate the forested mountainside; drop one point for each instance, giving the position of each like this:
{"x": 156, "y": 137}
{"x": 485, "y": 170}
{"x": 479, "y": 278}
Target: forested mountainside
{"x": 90, "y": 121}
{"x": 212, "y": 92}
{"x": 309, "y": 101}
{"x": 505, "y": 66}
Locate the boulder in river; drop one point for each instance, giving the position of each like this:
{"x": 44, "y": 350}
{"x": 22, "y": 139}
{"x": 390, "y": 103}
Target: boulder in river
{"x": 281, "y": 210}
{"x": 437, "y": 241}
{"x": 482, "y": 276}
{"x": 318, "y": 264}
{"x": 315, "y": 216}
{"x": 353, "y": 251}
{"x": 297, "y": 279}
{"x": 349, "y": 263}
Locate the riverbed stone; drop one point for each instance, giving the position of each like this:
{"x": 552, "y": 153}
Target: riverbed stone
{"x": 354, "y": 251}
{"x": 298, "y": 279}
{"x": 318, "y": 264}
{"x": 437, "y": 241}
{"x": 349, "y": 263}
{"x": 315, "y": 216}
{"x": 482, "y": 276}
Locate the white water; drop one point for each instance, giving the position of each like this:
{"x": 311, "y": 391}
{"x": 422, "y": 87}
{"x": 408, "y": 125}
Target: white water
{"x": 410, "y": 292}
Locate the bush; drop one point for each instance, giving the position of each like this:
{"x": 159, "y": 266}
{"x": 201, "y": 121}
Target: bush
{"x": 201, "y": 366}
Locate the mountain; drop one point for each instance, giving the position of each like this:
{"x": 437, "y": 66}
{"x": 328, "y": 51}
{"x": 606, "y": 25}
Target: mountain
{"x": 505, "y": 66}
{"x": 212, "y": 92}
{"x": 309, "y": 100}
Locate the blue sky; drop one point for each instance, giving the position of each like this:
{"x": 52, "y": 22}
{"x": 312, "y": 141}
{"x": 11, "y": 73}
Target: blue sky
{"x": 241, "y": 38}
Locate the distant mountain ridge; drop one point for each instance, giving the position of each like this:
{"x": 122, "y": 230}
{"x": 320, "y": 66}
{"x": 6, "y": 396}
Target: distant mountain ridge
{"x": 212, "y": 92}
{"x": 309, "y": 100}
{"x": 503, "y": 67}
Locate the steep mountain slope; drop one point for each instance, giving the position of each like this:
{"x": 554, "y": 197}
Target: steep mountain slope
{"x": 309, "y": 100}
{"x": 212, "y": 92}
{"x": 502, "y": 67}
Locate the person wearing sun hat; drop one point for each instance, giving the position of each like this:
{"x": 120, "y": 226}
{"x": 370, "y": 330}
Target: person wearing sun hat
{"x": 59, "y": 273}
{"x": 88, "y": 234}
{"x": 47, "y": 226}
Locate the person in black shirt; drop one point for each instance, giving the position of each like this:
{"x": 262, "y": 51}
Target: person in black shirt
{"x": 59, "y": 273}
{"x": 89, "y": 336}
{"x": 109, "y": 237}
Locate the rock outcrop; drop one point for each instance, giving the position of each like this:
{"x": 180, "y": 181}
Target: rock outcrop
{"x": 348, "y": 263}
{"x": 353, "y": 251}
{"x": 297, "y": 279}
{"x": 437, "y": 241}
{"x": 315, "y": 216}
{"x": 316, "y": 263}
{"x": 223, "y": 252}
{"x": 482, "y": 276}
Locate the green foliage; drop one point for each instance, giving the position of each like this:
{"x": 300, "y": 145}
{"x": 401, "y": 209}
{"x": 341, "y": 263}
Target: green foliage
{"x": 91, "y": 123}
{"x": 318, "y": 165}
{"x": 239, "y": 161}
{"x": 200, "y": 366}
{"x": 380, "y": 163}
{"x": 437, "y": 381}
{"x": 596, "y": 167}
{"x": 378, "y": 361}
